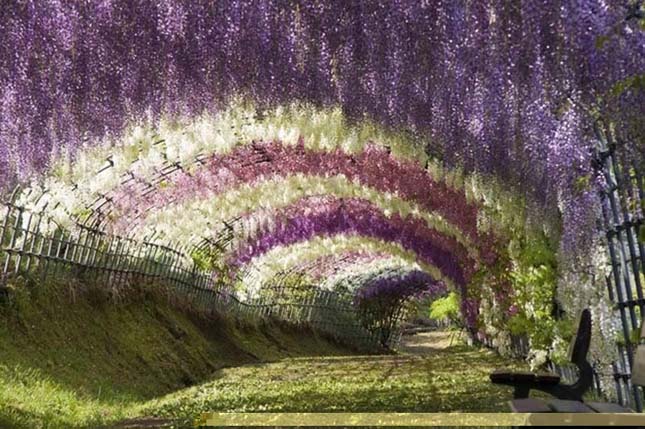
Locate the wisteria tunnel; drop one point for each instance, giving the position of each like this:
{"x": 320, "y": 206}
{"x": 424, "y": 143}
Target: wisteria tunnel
{"x": 331, "y": 164}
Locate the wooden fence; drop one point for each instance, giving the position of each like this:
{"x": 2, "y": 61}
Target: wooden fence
{"x": 33, "y": 244}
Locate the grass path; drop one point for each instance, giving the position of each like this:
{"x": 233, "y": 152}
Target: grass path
{"x": 82, "y": 361}
{"x": 71, "y": 357}
{"x": 427, "y": 375}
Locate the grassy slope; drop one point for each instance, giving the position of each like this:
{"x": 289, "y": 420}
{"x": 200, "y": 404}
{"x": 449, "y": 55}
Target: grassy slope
{"x": 92, "y": 362}
{"x": 68, "y": 358}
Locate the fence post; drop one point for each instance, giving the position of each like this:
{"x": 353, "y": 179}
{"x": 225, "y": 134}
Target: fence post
{"x": 30, "y": 252}
{"x": 622, "y": 236}
{"x": 12, "y": 241}
{"x": 5, "y": 224}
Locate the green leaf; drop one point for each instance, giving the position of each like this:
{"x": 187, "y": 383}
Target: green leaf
{"x": 601, "y": 40}
{"x": 445, "y": 308}
{"x": 636, "y": 83}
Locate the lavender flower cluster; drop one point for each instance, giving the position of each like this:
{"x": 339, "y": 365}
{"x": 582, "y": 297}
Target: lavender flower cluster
{"x": 399, "y": 285}
{"x": 498, "y": 85}
{"x": 326, "y": 217}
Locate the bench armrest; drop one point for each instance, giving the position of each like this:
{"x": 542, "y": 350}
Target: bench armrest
{"x": 501, "y": 376}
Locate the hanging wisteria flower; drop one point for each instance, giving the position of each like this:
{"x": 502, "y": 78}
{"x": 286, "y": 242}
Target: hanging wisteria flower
{"x": 464, "y": 127}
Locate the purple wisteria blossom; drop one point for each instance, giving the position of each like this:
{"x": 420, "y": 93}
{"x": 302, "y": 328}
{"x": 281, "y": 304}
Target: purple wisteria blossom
{"x": 260, "y": 161}
{"x": 407, "y": 285}
{"x": 328, "y": 216}
{"x": 467, "y": 74}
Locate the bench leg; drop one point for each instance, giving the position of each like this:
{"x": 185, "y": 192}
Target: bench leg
{"x": 521, "y": 391}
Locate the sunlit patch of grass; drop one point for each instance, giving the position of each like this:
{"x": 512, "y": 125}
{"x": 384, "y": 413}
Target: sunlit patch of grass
{"x": 85, "y": 362}
{"x": 450, "y": 380}
{"x": 90, "y": 363}
{"x": 30, "y": 398}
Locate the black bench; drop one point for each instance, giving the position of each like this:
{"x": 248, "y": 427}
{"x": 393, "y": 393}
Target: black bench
{"x": 579, "y": 350}
{"x": 524, "y": 382}
{"x": 534, "y": 405}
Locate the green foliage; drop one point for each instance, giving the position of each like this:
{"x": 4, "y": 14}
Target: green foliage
{"x": 380, "y": 314}
{"x": 582, "y": 184}
{"x": 203, "y": 260}
{"x": 446, "y": 308}
{"x": 292, "y": 287}
{"x": 634, "y": 335}
{"x": 534, "y": 279}
{"x": 631, "y": 83}
{"x": 84, "y": 213}
{"x": 518, "y": 324}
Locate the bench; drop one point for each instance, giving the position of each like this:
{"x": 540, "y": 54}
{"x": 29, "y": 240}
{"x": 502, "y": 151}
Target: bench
{"x": 533, "y": 405}
{"x": 524, "y": 382}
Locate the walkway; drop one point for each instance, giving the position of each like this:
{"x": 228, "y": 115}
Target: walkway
{"x": 427, "y": 375}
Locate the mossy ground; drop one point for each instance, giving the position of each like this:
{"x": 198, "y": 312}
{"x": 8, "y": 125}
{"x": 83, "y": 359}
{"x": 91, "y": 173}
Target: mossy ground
{"x": 71, "y": 358}
{"x": 453, "y": 379}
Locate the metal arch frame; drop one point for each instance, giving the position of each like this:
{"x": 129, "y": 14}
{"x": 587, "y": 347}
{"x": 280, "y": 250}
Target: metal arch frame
{"x": 625, "y": 250}
{"x": 206, "y": 243}
{"x": 218, "y": 242}
{"x": 279, "y": 275}
{"x": 92, "y": 223}
{"x": 278, "y": 290}
{"x": 282, "y": 274}
{"x": 103, "y": 206}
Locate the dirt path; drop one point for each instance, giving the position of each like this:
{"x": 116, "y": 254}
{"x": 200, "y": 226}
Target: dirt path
{"x": 424, "y": 343}
{"x": 426, "y": 375}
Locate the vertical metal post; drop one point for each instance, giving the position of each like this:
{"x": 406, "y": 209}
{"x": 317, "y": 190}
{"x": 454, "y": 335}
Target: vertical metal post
{"x": 48, "y": 256}
{"x": 84, "y": 247}
{"x": 97, "y": 242}
{"x": 106, "y": 260}
{"x": 32, "y": 245}
{"x": 56, "y": 257}
{"x": 151, "y": 252}
{"x": 625, "y": 252}
{"x": 42, "y": 241}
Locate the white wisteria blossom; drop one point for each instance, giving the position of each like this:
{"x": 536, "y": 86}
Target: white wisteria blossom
{"x": 280, "y": 258}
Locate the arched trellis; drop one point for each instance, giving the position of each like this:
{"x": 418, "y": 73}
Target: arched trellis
{"x": 103, "y": 205}
{"x": 96, "y": 214}
{"x": 99, "y": 212}
{"x": 115, "y": 262}
{"x": 147, "y": 187}
{"x": 323, "y": 177}
{"x": 303, "y": 270}
{"x": 123, "y": 256}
